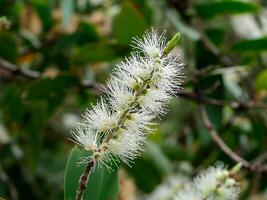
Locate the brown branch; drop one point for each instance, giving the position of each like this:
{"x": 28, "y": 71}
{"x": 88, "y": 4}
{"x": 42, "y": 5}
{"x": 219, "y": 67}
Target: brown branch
{"x": 97, "y": 86}
{"x": 225, "y": 60}
{"x": 255, "y": 167}
{"x": 19, "y": 71}
{"x": 196, "y": 97}
{"x": 31, "y": 74}
{"x": 84, "y": 180}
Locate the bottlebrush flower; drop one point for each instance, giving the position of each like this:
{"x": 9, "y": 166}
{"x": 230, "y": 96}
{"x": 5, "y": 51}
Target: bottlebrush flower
{"x": 137, "y": 92}
{"x": 215, "y": 183}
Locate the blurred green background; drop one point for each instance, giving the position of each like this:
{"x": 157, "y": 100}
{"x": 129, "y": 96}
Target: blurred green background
{"x": 54, "y": 56}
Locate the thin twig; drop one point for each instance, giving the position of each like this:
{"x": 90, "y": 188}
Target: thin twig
{"x": 97, "y": 86}
{"x": 20, "y": 71}
{"x": 255, "y": 167}
{"x": 195, "y": 96}
{"x": 12, "y": 189}
{"x": 225, "y": 60}
{"x": 31, "y": 74}
{"x": 260, "y": 159}
{"x": 218, "y": 140}
{"x": 84, "y": 180}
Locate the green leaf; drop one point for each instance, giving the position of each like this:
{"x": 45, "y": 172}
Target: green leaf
{"x": 44, "y": 12}
{"x": 34, "y": 126}
{"x": 128, "y": 23}
{"x": 67, "y": 9}
{"x": 181, "y": 26}
{"x": 261, "y": 80}
{"x": 102, "y": 185}
{"x": 98, "y": 52}
{"x": 50, "y": 90}
{"x": 251, "y": 45}
{"x": 158, "y": 157}
{"x": 8, "y": 46}
{"x": 212, "y": 9}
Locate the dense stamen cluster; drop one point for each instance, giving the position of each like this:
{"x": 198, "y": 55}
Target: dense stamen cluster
{"x": 215, "y": 183}
{"x": 137, "y": 92}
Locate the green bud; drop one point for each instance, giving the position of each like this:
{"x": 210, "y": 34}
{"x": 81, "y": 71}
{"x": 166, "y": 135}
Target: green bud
{"x": 171, "y": 44}
{"x": 236, "y": 168}
{"x": 144, "y": 92}
{"x": 129, "y": 117}
{"x": 136, "y": 87}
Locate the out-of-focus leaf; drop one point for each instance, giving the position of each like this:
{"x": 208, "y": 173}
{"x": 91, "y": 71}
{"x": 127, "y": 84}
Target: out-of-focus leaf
{"x": 145, "y": 174}
{"x": 97, "y": 52}
{"x": 261, "y": 80}
{"x": 211, "y": 9}
{"x": 44, "y": 11}
{"x": 251, "y": 45}
{"x": 8, "y": 46}
{"x": 86, "y": 33}
{"x": 182, "y": 27}
{"x": 159, "y": 159}
{"x": 204, "y": 56}
{"x": 231, "y": 85}
{"x": 102, "y": 185}
{"x": 67, "y": 8}
{"x": 34, "y": 128}
{"x": 48, "y": 87}
{"x": 51, "y": 91}
{"x": 27, "y": 119}
{"x": 128, "y": 23}
{"x": 149, "y": 169}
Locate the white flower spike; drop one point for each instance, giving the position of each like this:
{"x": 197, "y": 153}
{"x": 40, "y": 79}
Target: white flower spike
{"x": 138, "y": 90}
{"x": 215, "y": 183}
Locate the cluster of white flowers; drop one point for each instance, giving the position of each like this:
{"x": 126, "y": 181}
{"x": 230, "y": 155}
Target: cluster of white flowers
{"x": 169, "y": 188}
{"x": 137, "y": 92}
{"x": 215, "y": 183}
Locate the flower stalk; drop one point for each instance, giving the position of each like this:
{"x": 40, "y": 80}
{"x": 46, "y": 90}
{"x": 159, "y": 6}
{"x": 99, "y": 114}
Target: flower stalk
{"x": 84, "y": 180}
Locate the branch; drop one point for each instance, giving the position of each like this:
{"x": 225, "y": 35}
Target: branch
{"x": 97, "y": 86}
{"x": 31, "y": 74}
{"x": 255, "y": 167}
{"x": 84, "y": 180}
{"x": 12, "y": 189}
{"x": 19, "y": 71}
{"x": 225, "y": 60}
{"x": 196, "y": 97}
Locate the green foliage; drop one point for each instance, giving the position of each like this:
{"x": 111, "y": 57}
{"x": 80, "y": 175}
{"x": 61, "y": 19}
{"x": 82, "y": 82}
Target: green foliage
{"x": 251, "y": 45}
{"x": 74, "y": 45}
{"x": 128, "y": 23}
{"x": 102, "y": 184}
{"x": 94, "y": 53}
{"x": 211, "y": 9}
